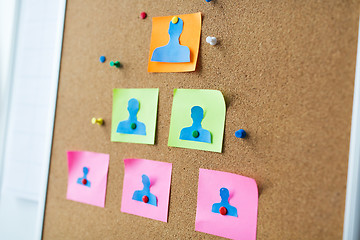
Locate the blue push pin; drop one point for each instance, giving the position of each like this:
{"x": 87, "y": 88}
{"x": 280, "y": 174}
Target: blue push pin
{"x": 102, "y": 59}
{"x": 208, "y": 0}
{"x": 240, "y": 133}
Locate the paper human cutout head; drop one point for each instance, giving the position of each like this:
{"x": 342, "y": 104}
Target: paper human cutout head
{"x": 145, "y": 195}
{"x": 154, "y": 178}
{"x": 229, "y": 210}
{"x": 132, "y": 125}
{"x": 173, "y": 51}
{"x": 83, "y": 180}
{"x": 240, "y": 220}
{"x": 195, "y": 132}
{"x": 87, "y": 177}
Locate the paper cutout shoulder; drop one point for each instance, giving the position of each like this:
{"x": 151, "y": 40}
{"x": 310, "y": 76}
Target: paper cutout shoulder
{"x": 140, "y": 194}
{"x": 224, "y": 194}
{"x": 196, "y": 132}
{"x": 83, "y": 180}
{"x": 132, "y": 125}
{"x": 173, "y": 51}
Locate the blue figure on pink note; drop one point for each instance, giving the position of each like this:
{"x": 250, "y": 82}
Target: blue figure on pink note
{"x": 132, "y": 125}
{"x": 224, "y": 207}
{"x": 145, "y": 195}
{"x": 172, "y": 52}
{"x": 196, "y": 132}
{"x": 83, "y": 180}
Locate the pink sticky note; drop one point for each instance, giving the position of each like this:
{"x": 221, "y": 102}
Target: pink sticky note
{"x": 243, "y": 195}
{"x": 93, "y": 190}
{"x": 159, "y": 174}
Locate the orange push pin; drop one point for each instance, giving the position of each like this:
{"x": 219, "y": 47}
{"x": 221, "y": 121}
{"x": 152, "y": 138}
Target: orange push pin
{"x": 98, "y": 121}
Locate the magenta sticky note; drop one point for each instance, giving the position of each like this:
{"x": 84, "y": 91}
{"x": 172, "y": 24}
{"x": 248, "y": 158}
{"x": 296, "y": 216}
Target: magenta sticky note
{"x": 159, "y": 174}
{"x": 87, "y": 177}
{"x": 243, "y": 195}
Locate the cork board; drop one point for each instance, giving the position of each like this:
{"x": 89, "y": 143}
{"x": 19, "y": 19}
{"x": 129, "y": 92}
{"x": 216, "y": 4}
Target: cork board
{"x": 286, "y": 70}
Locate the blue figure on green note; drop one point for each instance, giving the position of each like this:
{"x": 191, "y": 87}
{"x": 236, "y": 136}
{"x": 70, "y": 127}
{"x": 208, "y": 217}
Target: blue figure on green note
{"x": 83, "y": 180}
{"x": 224, "y": 207}
{"x": 145, "y": 195}
{"x": 173, "y": 52}
{"x": 195, "y": 132}
{"x": 132, "y": 125}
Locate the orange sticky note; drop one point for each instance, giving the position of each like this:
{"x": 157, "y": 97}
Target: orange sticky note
{"x": 190, "y": 37}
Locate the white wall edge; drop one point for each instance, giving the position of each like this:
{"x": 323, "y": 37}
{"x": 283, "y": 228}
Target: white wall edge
{"x": 54, "y": 91}
{"x": 352, "y": 204}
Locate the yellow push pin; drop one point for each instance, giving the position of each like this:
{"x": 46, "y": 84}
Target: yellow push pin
{"x": 175, "y": 20}
{"x": 99, "y": 121}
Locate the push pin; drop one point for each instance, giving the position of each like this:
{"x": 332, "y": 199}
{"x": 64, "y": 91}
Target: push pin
{"x": 98, "y": 121}
{"x": 223, "y": 211}
{"x": 116, "y": 64}
{"x": 240, "y": 133}
{"x": 211, "y": 40}
{"x": 102, "y": 59}
{"x": 145, "y": 199}
{"x": 175, "y": 20}
{"x": 143, "y": 15}
{"x": 195, "y": 134}
{"x": 208, "y": 0}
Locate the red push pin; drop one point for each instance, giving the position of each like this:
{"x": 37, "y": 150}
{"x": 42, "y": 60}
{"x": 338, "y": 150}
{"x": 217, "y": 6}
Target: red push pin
{"x": 145, "y": 199}
{"x": 143, "y": 15}
{"x": 223, "y": 211}
{"x": 84, "y": 181}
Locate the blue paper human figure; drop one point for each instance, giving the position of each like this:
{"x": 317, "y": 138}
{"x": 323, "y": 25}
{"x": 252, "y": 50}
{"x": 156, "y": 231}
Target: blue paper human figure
{"x": 196, "y": 132}
{"x": 172, "y": 52}
{"x": 83, "y": 180}
{"x": 145, "y": 195}
{"x": 132, "y": 125}
{"x": 223, "y": 207}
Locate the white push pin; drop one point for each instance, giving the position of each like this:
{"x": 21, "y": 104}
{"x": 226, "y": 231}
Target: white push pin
{"x": 211, "y": 40}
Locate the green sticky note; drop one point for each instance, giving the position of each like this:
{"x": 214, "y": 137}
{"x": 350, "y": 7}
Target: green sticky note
{"x": 213, "y": 104}
{"x": 140, "y": 104}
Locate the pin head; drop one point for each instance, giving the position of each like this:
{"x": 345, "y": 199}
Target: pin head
{"x": 143, "y": 15}
{"x": 223, "y": 211}
{"x": 133, "y": 126}
{"x": 240, "y": 133}
{"x": 102, "y": 59}
{"x": 145, "y": 199}
{"x": 175, "y": 20}
{"x": 84, "y": 181}
{"x": 195, "y": 134}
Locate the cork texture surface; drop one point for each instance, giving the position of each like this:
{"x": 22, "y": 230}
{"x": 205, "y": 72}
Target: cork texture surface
{"x": 286, "y": 70}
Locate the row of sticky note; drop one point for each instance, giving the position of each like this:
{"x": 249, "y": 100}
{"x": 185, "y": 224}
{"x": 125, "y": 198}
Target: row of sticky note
{"x": 197, "y": 118}
{"x": 226, "y": 203}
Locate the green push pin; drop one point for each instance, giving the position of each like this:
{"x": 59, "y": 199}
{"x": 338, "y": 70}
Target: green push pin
{"x": 195, "y": 134}
{"x": 133, "y": 126}
{"x": 116, "y": 64}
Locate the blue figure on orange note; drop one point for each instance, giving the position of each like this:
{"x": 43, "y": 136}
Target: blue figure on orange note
{"x": 173, "y": 52}
{"x": 132, "y": 125}
{"x": 224, "y": 207}
{"x": 196, "y": 132}
{"x": 145, "y": 195}
{"x": 83, "y": 180}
